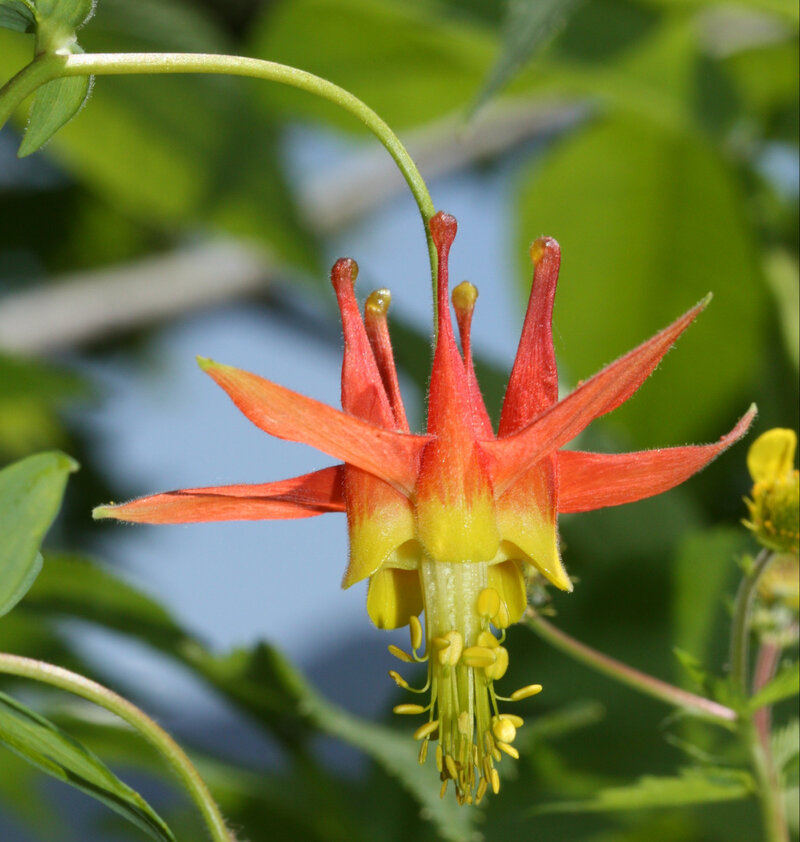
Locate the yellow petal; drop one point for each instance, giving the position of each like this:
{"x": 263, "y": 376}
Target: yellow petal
{"x": 393, "y": 597}
{"x": 507, "y": 579}
{"x": 771, "y": 455}
{"x": 379, "y": 520}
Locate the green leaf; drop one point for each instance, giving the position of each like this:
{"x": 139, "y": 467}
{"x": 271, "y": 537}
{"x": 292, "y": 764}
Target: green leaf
{"x": 30, "y": 497}
{"x": 703, "y": 569}
{"x": 407, "y": 61}
{"x": 783, "y": 686}
{"x": 54, "y": 105}
{"x": 781, "y": 273}
{"x": 692, "y": 786}
{"x": 17, "y": 15}
{"x": 786, "y": 747}
{"x": 529, "y": 26}
{"x": 41, "y": 743}
{"x": 649, "y": 221}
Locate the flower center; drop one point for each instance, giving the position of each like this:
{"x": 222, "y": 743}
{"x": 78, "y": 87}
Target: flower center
{"x": 465, "y": 620}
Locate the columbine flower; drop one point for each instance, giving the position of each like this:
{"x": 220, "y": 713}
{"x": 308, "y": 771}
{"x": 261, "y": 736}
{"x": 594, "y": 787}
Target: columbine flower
{"x": 447, "y": 522}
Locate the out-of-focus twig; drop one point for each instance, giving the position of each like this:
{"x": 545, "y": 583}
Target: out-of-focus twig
{"x": 87, "y": 306}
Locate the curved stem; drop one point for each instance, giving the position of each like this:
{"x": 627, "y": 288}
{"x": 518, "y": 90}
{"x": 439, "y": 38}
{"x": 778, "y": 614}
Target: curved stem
{"x": 740, "y": 629}
{"x": 154, "y": 734}
{"x": 647, "y": 684}
{"x": 47, "y": 67}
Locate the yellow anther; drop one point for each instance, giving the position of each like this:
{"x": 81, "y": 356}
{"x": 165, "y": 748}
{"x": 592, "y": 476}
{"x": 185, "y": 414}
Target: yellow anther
{"x": 482, "y": 787}
{"x": 503, "y": 730}
{"x": 443, "y": 790}
{"x": 487, "y": 639}
{"x": 509, "y": 750}
{"x": 525, "y": 692}
{"x": 378, "y": 301}
{"x": 464, "y": 296}
{"x": 408, "y": 709}
{"x": 502, "y": 619}
{"x": 426, "y": 730}
{"x": 399, "y": 653}
{"x": 495, "y": 671}
{"x": 451, "y": 767}
{"x": 423, "y": 752}
{"x": 495, "y": 778}
{"x": 450, "y": 647}
{"x": 439, "y": 758}
{"x": 516, "y": 721}
{"x": 398, "y": 679}
{"x": 478, "y": 656}
{"x": 496, "y": 754}
{"x": 463, "y": 722}
{"x": 488, "y": 602}
{"x": 415, "y": 629}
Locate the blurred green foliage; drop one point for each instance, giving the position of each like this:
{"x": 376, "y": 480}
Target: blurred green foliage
{"x": 666, "y": 190}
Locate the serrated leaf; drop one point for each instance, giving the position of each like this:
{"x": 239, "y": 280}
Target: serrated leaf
{"x": 694, "y": 785}
{"x": 30, "y": 497}
{"x": 529, "y": 26}
{"x": 786, "y": 746}
{"x": 784, "y": 685}
{"x": 16, "y": 15}
{"x": 54, "y": 105}
{"x": 41, "y": 743}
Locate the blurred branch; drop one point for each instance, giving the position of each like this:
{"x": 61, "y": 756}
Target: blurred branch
{"x": 86, "y": 306}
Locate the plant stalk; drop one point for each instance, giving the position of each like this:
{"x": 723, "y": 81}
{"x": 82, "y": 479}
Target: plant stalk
{"x": 647, "y": 684}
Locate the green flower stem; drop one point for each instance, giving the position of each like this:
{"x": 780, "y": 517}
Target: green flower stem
{"x": 647, "y": 684}
{"x": 43, "y": 68}
{"x": 155, "y": 735}
{"x": 754, "y": 728}
{"x": 740, "y": 630}
{"x": 47, "y": 67}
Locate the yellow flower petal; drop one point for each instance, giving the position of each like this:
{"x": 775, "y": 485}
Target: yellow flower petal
{"x": 393, "y": 597}
{"x": 771, "y": 455}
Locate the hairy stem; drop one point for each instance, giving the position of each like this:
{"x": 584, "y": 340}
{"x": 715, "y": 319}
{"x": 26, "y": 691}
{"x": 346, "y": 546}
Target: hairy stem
{"x": 647, "y": 684}
{"x": 740, "y": 629}
{"x": 48, "y": 67}
{"x": 154, "y": 734}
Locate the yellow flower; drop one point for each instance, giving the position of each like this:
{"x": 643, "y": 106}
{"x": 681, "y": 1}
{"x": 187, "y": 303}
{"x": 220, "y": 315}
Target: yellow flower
{"x": 775, "y": 504}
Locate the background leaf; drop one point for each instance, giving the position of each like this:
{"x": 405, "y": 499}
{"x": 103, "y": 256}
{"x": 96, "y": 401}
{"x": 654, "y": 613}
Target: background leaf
{"x": 528, "y": 27}
{"x": 692, "y": 786}
{"x": 44, "y": 745}
{"x": 655, "y": 217}
{"x": 30, "y": 497}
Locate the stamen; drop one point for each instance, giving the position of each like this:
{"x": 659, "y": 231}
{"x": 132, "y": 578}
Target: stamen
{"x": 451, "y": 767}
{"x": 488, "y": 603}
{"x": 398, "y": 679}
{"x": 503, "y": 730}
{"x": 495, "y": 778}
{"x": 478, "y": 656}
{"x": 509, "y": 750}
{"x": 409, "y": 709}
{"x": 516, "y": 721}
{"x": 449, "y": 648}
{"x": 526, "y": 692}
{"x": 415, "y": 630}
{"x": 425, "y": 730}
{"x": 497, "y": 669}
{"x": 423, "y": 752}
{"x": 487, "y": 639}
{"x": 400, "y": 654}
